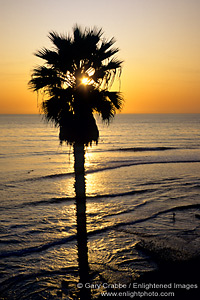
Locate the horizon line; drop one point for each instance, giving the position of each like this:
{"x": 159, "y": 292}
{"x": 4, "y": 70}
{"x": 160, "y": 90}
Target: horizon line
{"x": 123, "y": 113}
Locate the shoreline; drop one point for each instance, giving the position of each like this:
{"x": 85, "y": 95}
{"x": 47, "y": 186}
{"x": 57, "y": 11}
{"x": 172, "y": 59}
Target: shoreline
{"x": 172, "y": 279}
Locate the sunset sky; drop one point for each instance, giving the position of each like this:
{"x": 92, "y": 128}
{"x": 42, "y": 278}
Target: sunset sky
{"x": 159, "y": 41}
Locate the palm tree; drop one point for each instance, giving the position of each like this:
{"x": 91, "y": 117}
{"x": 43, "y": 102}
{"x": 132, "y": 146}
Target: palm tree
{"x": 75, "y": 78}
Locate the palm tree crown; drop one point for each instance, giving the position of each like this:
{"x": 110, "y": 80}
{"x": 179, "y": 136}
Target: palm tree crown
{"x": 76, "y": 78}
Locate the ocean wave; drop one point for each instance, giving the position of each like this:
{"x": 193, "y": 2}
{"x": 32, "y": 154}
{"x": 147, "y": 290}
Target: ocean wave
{"x": 53, "y": 153}
{"x": 127, "y": 211}
{"x": 35, "y": 153}
{"x": 142, "y": 149}
{"x": 49, "y": 153}
{"x": 134, "y": 192}
{"x": 116, "y": 165}
{"x": 130, "y": 163}
{"x": 51, "y": 176}
{"x": 68, "y": 199}
{"x": 12, "y": 183}
{"x": 30, "y": 250}
{"x": 36, "y": 249}
{"x": 45, "y": 202}
{"x": 154, "y": 215}
{"x": 172, "y": 209}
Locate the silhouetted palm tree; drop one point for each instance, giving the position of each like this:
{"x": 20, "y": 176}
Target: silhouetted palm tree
{"x": 75, "y": 79}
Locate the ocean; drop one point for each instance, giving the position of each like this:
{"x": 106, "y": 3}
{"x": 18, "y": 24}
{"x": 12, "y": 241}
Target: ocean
{"x": 142, "y": 184}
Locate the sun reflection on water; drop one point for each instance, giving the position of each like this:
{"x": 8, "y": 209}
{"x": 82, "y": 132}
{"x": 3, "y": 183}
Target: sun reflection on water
{"x": 96, "y": 184}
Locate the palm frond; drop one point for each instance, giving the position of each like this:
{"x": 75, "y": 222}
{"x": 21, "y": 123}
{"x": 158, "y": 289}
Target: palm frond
{"x": 43, "y": 77}
{"x": 116, "y": 98}
{"x": 106, "y": 45}
{"x": 113, "y": 64}
{"x": 109, "y": 53}
{"x": 55, "y": 108}
{"x": 52, "y": 109}
{"x": 58, "y": 40}
{"x": 105, "y": 103}
{"x": 51, "y": 57}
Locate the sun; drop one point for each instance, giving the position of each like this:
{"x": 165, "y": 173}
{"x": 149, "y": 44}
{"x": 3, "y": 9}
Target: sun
{"x": 85, "y": 81}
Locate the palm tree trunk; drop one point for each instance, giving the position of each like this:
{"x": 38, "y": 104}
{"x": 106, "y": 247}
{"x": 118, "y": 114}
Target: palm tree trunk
{"x": 79, "y": 160}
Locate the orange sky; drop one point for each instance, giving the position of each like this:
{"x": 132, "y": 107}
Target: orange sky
{"x": 159, "y": 42}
